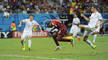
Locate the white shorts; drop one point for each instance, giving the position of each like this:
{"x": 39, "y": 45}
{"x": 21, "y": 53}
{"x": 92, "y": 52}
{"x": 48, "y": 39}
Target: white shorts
{"x": 74, "y": 30}
{"x": 26, "y": 34}
{"x": 89, "y": 30}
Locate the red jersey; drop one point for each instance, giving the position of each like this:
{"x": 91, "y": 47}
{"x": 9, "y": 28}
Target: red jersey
{"x": 61, "y": 27}
{"x": 55, "y": 22}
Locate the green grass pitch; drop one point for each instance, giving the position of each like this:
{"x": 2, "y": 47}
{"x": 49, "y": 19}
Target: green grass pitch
{"x": 43, "y": 49}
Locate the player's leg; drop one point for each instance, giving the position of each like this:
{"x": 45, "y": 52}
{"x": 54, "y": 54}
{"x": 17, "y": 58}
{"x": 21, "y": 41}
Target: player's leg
{"x": 95, "y": 32}
{"x": 22, "y": 41}
{"x": 23, "y": 37}
{"x": 64, "y": 36}
{"x": 72, "y": 35}
{"x": 78, "y": 34}
{"x": 75, "y": 34}
{"x": 87, "y": 40}
{"x": 56, "y": 40}
{"x": 78, "y": 37}
{"x": 94, "y": 38}
{"x": 29, "y": 41}
{"x": 68, "y": 39}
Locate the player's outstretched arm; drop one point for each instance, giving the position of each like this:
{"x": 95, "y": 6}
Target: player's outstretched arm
{"x": 40, "y": 28}
{"x": 87, "y": 19}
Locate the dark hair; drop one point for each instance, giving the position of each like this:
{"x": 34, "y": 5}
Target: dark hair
{"x": 78, "y": 14}
{"x": 13, "y": 22}
{"x": 30, "y": 15}
{"x": 94, "y": 6}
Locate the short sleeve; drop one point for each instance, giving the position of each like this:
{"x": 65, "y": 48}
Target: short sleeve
{"x": 25, "y": 20}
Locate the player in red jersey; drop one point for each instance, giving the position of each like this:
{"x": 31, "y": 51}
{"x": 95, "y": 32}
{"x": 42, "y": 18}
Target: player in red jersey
{"x": 61, "y": 34}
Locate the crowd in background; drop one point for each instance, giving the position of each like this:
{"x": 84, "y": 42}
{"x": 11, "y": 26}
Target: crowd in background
{"x": 51, "y": 6}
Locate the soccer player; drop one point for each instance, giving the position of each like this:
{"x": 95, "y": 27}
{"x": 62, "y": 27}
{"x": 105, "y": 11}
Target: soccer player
{"x": 27, "y": 33}
{"x": 75, "y": 30}
{"x": 60, "y": 34}
{"x": 93, "y": 27}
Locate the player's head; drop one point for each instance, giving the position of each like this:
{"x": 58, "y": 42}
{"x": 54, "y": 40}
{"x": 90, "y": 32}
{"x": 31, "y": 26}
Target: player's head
{"x": 13, "y": 22}
{"x": 31, "y": 17}
{"x": 77, "y": 14}
{"x": 94, "y": 9}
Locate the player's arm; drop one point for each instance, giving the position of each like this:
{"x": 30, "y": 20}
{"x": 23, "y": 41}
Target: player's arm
{"x": 87, "y": 19}
{"x": 54, "y": 27}
{"x": 101, "y": 20}
{"x": 25, "y": 20}
{"x": 101, "y": 23}
{"x": 82, "y": 26}
{"x": 20, "y": 23}
{"x": 35, "y": 23}
{"x": 40, "y": 28}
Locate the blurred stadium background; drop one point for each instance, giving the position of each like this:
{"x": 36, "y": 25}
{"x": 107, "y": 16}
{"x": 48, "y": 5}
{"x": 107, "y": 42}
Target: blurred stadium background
{"x": 48, "y": 10}
{"x": 43, "y": 11}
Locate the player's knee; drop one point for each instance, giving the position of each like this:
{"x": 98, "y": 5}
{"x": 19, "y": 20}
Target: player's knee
{"x": 22, "y": 39}
{"x": 29, "y": 37}
{"x": 85, "y": 38}
{"x": 96, "y": 32}
{"x": 59, "y": 38}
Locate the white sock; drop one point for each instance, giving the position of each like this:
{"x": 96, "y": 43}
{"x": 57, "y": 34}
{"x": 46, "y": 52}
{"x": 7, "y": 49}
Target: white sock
{"x": 91, "y": 33}
{"x": 89, "y": 42}
{"x": 94, "y": 38}
{"x": 24, "y": 40}
{"x": 58, "y": 47}
{"x": 29, "y": 43}
{"x": 78, "y": 36}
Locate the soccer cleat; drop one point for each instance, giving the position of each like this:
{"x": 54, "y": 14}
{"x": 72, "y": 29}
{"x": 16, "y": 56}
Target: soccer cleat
{"x": 93, "y": 41}
{"x": 23, "y": 48}
{"x": 94, "y": 46}
{"x": 58, "y": 48}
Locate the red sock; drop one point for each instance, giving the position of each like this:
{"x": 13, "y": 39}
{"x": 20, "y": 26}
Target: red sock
{"x": 79, "y": 38}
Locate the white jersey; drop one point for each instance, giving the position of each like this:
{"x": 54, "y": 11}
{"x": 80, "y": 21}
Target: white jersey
{"x": 75, "y": 29}
{"x": 94, "y": 19}
{"x": 29, "y": 25}
{"x": 76, "y": 21}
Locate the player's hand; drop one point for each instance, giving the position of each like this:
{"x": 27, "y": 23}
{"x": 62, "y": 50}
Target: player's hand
{"x": 19, "y": 25}
{"x": 69, "y": 24}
